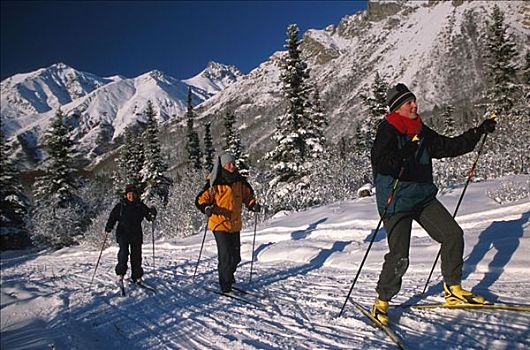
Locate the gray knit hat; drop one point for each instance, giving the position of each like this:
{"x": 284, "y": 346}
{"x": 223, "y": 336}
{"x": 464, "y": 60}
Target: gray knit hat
{"x": 227, "y": 158}
{"x": 398, "y": 95}
{"x": 218, "y": 163}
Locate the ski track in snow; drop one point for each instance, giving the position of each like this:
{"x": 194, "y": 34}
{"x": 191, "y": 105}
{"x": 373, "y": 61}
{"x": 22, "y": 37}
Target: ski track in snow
{"x": 304, "y": 269}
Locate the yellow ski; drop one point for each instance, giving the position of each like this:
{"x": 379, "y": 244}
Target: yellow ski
{"x": 509, "y": 307}
{"x": 391, "y": 334}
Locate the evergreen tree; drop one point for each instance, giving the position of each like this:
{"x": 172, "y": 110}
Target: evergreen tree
{"x": 57, "y": 186}
{"x": 289, "y": 155}
{"x": 377, "y": 109}
{"x": 377, "y": 101}
{"x": 526, "y": 69}
{"x": 229, "y": 120}
{"x": 57, "y": 216}
{"x": 233, "y": 144}
{"x": 209, "y": 151}
{"x": 500, "y": 55}
{"x": 104, "y": 137}
{"x": 504, "y": 154}
{"x": 14, "y": 204}
{"x": 317, "y": 122}
{"x": 192, "y": 146}
{"x": 153, "y": 178}
{"x": 130, "y": 163}
{"x": 448, "y": 121}
{"x": 361, "y": 141}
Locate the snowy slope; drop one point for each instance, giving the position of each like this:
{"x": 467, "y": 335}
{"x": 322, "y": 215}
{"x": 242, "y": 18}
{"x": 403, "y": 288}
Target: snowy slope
{"x": 304, "y": 267}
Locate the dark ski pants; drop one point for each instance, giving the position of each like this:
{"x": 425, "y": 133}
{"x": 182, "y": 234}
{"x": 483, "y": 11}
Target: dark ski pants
{"x": 441, "y": 226}
{"x": 136, "y": 257}
{"x": 228, "y": 256}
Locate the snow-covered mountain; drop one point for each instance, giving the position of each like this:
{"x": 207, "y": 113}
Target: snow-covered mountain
{"x": 44, "y": 90}
{"x": 98, "y": 109}
{"x": 435, "y": 47}
{"x": 215, "y": 77}
{"x": 432, "y": 46}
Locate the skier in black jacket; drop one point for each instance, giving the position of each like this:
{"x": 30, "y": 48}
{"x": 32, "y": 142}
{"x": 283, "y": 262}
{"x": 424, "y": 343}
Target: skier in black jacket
{"x": 403, "y": 149}
{"x": 129, "y": 213}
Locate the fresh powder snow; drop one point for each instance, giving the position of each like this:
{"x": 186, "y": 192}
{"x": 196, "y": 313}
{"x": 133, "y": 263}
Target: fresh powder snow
{"x": 303, "y": 268}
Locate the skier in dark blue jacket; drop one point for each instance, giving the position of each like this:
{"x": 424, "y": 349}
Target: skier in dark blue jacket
{"x": 129, "y": 213}
{"x": 404, "y": 148}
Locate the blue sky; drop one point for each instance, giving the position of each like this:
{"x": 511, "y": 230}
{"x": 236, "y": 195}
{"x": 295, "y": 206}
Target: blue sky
{"x": 133, "y": 37}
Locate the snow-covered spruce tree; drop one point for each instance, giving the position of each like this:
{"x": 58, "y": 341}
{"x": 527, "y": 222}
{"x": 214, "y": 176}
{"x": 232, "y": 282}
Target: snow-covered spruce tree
{"x": 377, "y": 100}
{"x": 521, "y": 119}
{"x": 14, "y": 204}
{"x": 233, "y": 144}
{"x": 104, "y": 137}
{"x": 526, "y": 71}
{"x": 57, "y": 215}
{"x": 318, "y": 155}
{"x": 504, "y": 154}
{"x": 360, "y": 146}
{"x": 193, "y": 147}
{"x": 288, "y": 158}
{"x": 130, "y": 163}
{"x": 500, "y": 56}
{"x": 377, "y": 109}
{"x": 316, "y": 123}
{"x": 156, "y": 184}
{"x": 209, "y": 151}
{"x": 448, "y": 121}
{"x": 58, "y": 184}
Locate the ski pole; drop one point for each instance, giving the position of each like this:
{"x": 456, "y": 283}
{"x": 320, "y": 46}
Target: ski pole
{"x": 200, "y": 252}
{"x": 253, "y": 244}
{"x": 388, "y": 201}
{"x": 99, "y": 258}
{"x": 387, "y": 205}
{"x": 469, "y": 176}
{"x": 153, "y": 236}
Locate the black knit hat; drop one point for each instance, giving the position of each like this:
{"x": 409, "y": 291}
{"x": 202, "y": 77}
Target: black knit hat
{"x": 398, "y": 95}
{"x": 131, "y": 188}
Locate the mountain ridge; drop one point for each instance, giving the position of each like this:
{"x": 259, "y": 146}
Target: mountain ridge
{"x": 433, "y": 47}
{"x": 116, "y": 102}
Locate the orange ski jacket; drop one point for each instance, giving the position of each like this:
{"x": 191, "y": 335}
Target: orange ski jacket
{"x": 227, "y": 200}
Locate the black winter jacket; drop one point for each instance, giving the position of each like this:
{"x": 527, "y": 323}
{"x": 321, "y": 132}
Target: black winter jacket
{"x": 416, "y": 188}
{"x": 129, "y": 216}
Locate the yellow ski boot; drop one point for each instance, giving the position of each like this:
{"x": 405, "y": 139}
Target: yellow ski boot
{"x": 455, "y": 295}
{"x": 380, "y": 310}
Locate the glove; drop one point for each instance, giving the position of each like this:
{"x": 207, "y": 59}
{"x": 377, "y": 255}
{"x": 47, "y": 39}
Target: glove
{"x": 153, "y": 212}
{"x": 208, "y": 210}
{"x": 408, "y": 149}
{"x": 487, "y": 126}
{"x": 256, "y": 208}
